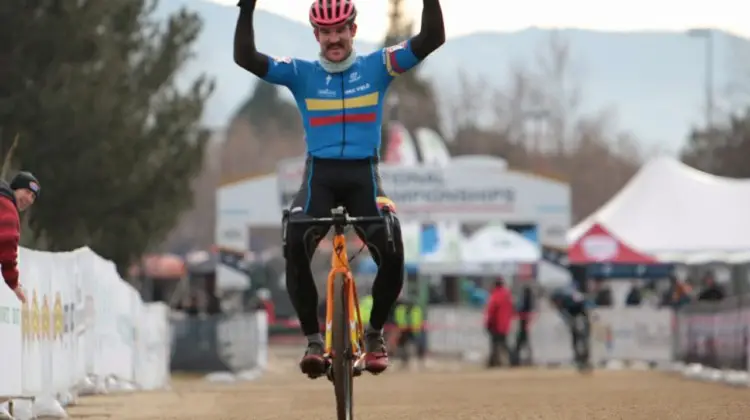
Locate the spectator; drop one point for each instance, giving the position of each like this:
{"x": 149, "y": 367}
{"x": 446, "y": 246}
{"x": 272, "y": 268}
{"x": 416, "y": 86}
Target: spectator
{"x": 525, "y": 309}
{"x": 635, "y": 295}
{"x": 18, "y": 196}
{"x": 409, "y": 320}
{"x": 574, "y": 309}
{"x": 678, "y": 293}
{"x": 498, "y": 316}
{"x": 712, "y": 291}
{"x": 602, "y": 293}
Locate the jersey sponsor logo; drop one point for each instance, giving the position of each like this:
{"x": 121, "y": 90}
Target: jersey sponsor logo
{"x": 354, "y": 77}
{"x": 328, "y": 79}
{"x": 286, "y": 60}
{"x": 327, "y": 93}
{"x": 361, "y": 88}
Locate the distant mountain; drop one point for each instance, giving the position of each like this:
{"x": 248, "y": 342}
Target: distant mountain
{"x": 653, "y": 80}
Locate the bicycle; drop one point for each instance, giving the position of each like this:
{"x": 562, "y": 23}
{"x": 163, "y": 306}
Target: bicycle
{"x": 581, "y": 329}
{"x": 344, "y": 333}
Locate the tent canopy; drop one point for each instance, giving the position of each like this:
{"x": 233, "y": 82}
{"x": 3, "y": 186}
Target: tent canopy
{"x": 495, "y": 243}
{"x": 492, "y": 250}
{"x": 599, "y": 245}
{"x": 675, "y": 213}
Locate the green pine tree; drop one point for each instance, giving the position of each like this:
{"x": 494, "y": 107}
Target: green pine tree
{"x": 90, "y": 87}
{"x": 266, "y": 110}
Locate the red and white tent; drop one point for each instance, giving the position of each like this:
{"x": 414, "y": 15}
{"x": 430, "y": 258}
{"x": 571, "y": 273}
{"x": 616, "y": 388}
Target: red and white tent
{"x": 670, "y": 213}
{"x": 598, "y": 245}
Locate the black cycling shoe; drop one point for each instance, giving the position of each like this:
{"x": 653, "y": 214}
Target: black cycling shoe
{"x": 313, "y": 364}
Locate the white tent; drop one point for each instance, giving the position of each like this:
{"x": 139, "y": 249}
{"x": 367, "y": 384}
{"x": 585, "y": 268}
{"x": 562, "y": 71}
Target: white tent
{"x": 678, "y": 214}
{"x": 496, "y": 244}
{"x": 491, "y": 250}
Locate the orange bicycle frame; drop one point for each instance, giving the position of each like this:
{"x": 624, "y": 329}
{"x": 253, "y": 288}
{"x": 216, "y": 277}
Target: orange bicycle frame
{"x": 340, "y": 265}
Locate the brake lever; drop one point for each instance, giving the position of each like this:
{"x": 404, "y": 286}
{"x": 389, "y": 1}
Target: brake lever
{"x": 284, "y": 226}
{"x": 388, "y": 219}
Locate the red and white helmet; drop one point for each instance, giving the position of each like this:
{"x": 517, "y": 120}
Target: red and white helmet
{"x": 328, "y": 13}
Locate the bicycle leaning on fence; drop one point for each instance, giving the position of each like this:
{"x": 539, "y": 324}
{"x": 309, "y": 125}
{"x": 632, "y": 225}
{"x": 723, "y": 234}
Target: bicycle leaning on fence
{"x": 344, "y": 335}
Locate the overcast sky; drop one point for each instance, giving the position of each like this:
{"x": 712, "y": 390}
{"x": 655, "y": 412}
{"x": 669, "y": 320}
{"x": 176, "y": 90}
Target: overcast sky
{"x": 467, "y": 16}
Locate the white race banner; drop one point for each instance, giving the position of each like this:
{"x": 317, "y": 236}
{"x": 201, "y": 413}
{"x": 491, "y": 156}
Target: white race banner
{"x": 632, "y": 334}
{"x": 83, "y": 330}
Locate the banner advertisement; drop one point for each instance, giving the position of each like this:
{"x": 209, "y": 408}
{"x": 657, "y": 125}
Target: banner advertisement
{"x": 457, "y": 193}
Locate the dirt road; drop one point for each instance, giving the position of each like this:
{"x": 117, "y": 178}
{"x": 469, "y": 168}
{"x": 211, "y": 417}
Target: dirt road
{"x": 441, "y": 393}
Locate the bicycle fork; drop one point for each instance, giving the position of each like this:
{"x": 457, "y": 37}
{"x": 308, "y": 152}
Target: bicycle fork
{"x": 356, "y": 329}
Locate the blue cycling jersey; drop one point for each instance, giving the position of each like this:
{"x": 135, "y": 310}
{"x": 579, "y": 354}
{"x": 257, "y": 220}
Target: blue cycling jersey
{"x": 342, "y": 112}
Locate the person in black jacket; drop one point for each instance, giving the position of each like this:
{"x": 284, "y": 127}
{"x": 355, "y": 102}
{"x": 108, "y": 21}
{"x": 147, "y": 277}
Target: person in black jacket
{"x": 573, "y": 307}
{"x": 712, "y": 291}
{"x": 524, "y": 310}
{"x": 23, "y": 190}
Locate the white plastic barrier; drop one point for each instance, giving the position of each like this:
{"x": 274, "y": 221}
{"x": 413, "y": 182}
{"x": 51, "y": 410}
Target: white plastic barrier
{"x": 633, "y": 334}
{"x": 83, "y": 330}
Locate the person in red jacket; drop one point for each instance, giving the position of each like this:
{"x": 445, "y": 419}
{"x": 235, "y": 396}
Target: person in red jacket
{"x": 23, "y": 190}
{"x": 498, "y": 317}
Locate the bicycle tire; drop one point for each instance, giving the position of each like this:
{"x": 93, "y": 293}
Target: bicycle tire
{"x": 343, "y": 376}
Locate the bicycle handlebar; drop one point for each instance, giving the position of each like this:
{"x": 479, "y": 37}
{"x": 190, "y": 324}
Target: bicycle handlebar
{"x": 339, "y": 219}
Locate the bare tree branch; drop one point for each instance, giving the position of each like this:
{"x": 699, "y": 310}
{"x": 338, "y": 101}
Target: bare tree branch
{"x": 9, "y": 157}
{"x": 537, "y": 125}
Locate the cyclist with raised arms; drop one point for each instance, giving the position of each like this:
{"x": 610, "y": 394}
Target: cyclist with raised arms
{"x": 340, "y": 97}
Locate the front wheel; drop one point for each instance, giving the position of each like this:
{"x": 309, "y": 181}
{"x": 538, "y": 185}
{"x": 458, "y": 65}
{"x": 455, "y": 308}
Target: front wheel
{"x": 343, "y": 379}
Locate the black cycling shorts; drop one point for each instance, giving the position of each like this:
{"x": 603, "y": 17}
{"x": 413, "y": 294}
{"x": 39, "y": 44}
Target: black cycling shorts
{"x": 329, "y": 183}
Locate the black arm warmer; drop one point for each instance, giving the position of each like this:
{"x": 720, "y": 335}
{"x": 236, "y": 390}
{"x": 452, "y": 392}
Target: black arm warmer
{"x": 246, "y": 55}
{"x": 432, "y": 33}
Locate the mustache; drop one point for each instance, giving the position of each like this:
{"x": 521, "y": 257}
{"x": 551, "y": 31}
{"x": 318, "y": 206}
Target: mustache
{"x": 334, "y": 45}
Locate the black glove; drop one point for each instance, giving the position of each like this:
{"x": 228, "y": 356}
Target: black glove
{"x": 246, "y": 3}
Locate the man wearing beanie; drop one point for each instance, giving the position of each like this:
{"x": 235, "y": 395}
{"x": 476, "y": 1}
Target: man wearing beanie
{"x": 14, "y": 198}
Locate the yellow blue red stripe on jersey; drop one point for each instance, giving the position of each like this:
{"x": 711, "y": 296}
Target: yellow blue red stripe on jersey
{"x": 338, "y": 109}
